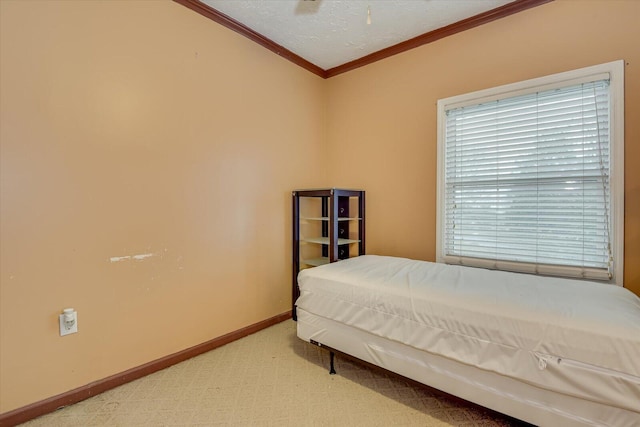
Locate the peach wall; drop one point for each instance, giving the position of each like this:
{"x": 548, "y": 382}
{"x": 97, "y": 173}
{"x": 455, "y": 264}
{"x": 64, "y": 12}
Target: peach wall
{"x": 132, "y": 128}
{"x": 382, "y": 117}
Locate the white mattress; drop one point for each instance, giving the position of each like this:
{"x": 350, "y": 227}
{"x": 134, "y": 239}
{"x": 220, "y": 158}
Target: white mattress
{"x": 571, "y": 337}
{"x": 511, "y": 396}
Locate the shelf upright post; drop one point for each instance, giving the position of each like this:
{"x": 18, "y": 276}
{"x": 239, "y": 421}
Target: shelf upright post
{"x": 361, "y": 227}
{"x": 296, "y": 252}
{"x": 333, "y": 226}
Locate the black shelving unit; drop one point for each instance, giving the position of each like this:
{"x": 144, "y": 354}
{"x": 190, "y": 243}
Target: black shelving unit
{"x": 328, "y": 225}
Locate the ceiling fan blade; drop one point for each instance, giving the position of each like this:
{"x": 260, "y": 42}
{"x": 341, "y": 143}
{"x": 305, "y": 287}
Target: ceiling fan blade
{"x": 307, "y": 7}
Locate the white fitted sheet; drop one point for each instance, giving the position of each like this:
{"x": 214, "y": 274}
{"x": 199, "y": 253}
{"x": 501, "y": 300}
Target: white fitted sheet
{"x": 571, "y": 337}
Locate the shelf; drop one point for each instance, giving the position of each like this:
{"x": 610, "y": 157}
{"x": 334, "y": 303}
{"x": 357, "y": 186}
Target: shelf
{"x": 316, "y": 261}
{"x": 326, "y": 218}
{"x": 325, "y": 240}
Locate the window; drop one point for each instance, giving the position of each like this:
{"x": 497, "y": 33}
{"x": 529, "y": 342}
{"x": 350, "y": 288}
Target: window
{"x": 530, "y": 176}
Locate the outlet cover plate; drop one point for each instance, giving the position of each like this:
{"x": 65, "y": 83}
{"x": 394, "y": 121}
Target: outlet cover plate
{"x": 63, "y": 329}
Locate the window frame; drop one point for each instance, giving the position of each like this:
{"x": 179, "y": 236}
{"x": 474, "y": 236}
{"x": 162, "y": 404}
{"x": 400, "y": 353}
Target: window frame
{"x": 615, "y": 72}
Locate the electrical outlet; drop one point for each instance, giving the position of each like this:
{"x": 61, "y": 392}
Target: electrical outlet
{"x": 68, "y": 322}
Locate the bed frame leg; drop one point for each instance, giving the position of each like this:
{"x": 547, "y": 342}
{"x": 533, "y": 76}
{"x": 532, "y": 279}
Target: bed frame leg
{"x": 332, "y": 356}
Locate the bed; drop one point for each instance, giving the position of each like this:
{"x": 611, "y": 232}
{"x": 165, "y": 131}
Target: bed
{"x": 545, "y": 350}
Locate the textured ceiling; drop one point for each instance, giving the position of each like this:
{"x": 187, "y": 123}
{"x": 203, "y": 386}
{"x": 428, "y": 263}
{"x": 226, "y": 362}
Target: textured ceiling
{"x": 329, "y": 33}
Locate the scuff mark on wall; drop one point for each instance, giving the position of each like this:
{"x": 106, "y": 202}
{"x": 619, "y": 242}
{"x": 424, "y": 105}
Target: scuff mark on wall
{"x": 142, "y": 256}
{"x": 138, "y": 257}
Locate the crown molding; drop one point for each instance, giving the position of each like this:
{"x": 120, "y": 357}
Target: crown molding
{"x": 242, "y": 29}
{"x": 456, "y": 27}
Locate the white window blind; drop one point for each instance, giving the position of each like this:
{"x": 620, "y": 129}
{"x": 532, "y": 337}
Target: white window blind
{"x": 527, "y": 182}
